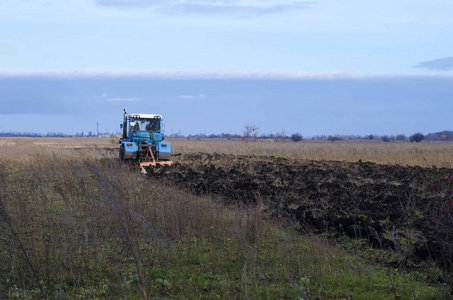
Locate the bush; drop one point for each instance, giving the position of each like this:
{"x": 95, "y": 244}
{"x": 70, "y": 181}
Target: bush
{"x": 385, "y": 139}
{"x": 115, "y": 139}
{"x": 401, "y": 137}
{"x": 416, "y": 137}
{"x": 296, "y": 137}
{"x": 334, "y": 138}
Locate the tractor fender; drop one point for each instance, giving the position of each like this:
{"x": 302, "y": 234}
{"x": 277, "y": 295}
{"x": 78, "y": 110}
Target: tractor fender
{"x": 130, "y": 149}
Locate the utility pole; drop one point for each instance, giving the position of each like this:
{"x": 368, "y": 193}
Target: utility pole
{"x": 97, "y": 128}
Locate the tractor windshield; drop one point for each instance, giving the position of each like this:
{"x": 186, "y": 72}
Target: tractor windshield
{"x": 150, "y": 125}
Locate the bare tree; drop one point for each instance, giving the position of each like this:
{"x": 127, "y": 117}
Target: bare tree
{"x": 281, "y": 136}
{"x": 250, "y": 131}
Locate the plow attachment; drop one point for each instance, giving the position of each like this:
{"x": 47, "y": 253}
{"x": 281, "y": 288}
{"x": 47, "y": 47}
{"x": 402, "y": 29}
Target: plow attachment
{"x": 150, "y": 160}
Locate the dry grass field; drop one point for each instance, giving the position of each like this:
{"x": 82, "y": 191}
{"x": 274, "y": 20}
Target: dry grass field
{"x": 438, "y": 154}
{"x": 424, "y": 154}
{"x": 76, "y": 224}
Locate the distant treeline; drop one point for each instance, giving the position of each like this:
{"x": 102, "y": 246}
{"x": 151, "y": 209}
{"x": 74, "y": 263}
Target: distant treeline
{"x": 51, "y": 134}
{"x": 416, "y": 137}
{"x": 440, "y": 136}
{"x": 280, "y": 136}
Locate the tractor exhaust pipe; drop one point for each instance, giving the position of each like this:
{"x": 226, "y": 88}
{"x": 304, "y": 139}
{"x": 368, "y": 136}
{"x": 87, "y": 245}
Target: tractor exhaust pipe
{"x": 125, "y": 125}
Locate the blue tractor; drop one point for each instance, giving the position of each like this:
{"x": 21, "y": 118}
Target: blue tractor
{"x": 143, "y": 140}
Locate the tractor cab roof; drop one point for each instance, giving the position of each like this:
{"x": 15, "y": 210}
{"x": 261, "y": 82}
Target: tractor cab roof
{"x": 145, "y": 116}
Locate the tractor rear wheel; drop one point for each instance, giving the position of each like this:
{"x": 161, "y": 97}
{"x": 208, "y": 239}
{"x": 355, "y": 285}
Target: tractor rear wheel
{"x": 121, "y": 155}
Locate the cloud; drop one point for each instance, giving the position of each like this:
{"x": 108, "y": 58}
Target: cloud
{"x": 441, "y": 64}
{"x": 238, "y": 10}
{"x": 199, "y": 96}
{"x": 209, "y": 75}
{"x": 130, "y": 3}
{"x": 5, "y": 48}
{"x": 215, "y": 75}
{"x": 242, "y": 8}
{"x": 123, "y": 99}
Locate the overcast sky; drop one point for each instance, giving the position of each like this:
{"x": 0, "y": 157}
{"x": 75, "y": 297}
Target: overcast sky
{"x": 316, "y": 67}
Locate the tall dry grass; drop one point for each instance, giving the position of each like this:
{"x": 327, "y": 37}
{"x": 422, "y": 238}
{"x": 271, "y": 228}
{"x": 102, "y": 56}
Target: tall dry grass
{"x": 423, "y": 154}
{"x": 71, "y": 219}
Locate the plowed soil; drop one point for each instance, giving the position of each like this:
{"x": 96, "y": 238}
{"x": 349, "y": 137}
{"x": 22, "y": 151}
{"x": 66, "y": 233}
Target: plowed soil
{"x": 360, "y": 199}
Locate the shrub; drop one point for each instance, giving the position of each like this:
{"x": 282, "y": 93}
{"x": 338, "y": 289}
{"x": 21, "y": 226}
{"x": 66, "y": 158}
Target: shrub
{"x": 334, "y": 138}
{"x": 115, "y": 139}
{"x": 296, "y": 137}
{"x": 401, "y": 137}
{"x": 416, "y": 137}
{"x": 386, "y": 139}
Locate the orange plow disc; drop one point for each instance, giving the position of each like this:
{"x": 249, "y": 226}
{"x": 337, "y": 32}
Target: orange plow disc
{"x": 155, "y": 163}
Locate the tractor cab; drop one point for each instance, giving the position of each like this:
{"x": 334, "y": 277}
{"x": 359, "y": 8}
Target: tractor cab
{"x": 149, "y": 125}
{"x": 145, "y": 128}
